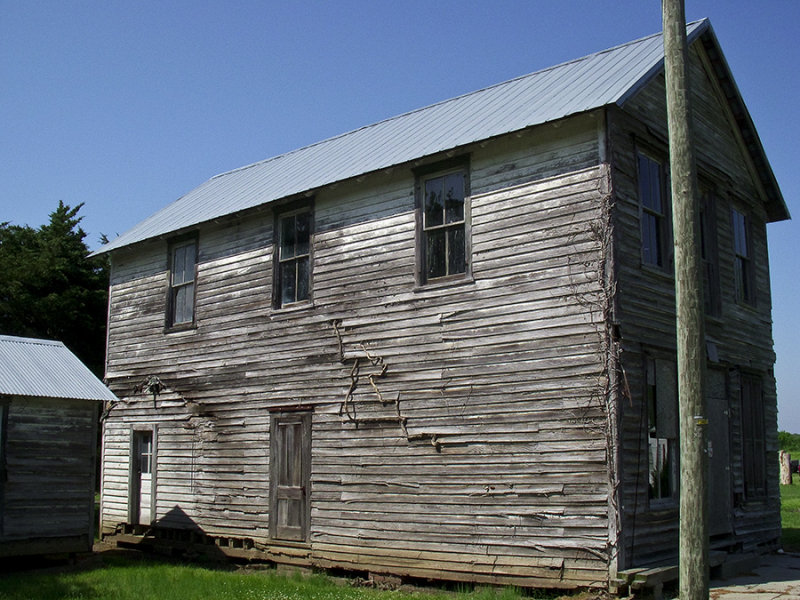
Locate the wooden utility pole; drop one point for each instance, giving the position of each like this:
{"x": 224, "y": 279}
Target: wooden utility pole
{"x": 693, "y": 551}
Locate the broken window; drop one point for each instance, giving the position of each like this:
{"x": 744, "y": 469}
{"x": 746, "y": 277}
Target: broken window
{"x": 654, "y": 207}
{"x": 183, "y": 260}
{"x": 293, "y": 254}
{"x": 743, "y": 265}
{"x": 443, "y": 240}
{"x": 709, "y": 254}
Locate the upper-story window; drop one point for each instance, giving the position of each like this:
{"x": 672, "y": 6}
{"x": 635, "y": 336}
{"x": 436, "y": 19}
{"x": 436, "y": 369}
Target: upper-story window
{"x": 743, "y": 264}
{"x": 293, "y": 257}
{"x": 709, "y": 254}
{"x": 182, "y": 268}
{"x": 654, "y": 209}
{"x": 443, "y": 236}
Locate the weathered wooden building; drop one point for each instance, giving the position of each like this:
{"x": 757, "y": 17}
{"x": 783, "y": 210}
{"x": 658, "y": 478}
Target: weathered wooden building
{"x": 443, "y": 345}
{"x": 49, "y": 408}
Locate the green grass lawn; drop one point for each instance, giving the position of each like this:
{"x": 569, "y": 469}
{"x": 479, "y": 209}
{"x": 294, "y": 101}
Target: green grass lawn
{"x": 134, "y": 577}
{"x": 131, "y": 578}
{"x": 790, "y": 515}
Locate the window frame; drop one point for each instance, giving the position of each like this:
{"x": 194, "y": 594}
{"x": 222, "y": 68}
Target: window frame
{"x": 663, "y": 221}
{"x": 709, "y": 252}
{"x": 281, "y": 213}
{"x": 458, "y": 165}
{"x": 173, "y": 290}
{"x": 743, "y": 264}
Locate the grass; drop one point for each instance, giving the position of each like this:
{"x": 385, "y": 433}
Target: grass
{"x": 126, "y": 578}
{"x": 790, "y": 515}
{"x": 133, "y": 577}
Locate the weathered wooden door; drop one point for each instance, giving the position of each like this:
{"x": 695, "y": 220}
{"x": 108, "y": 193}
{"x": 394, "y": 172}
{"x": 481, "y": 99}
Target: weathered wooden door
{"x": 142, "y": 483}
{"x": 719, "y": 461}
{"x": 290, "y": 470}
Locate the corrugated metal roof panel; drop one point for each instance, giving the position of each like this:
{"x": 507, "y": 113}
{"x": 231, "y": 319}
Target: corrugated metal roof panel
{"x": 577, "y": 86}
{"x": 41, "y": 368}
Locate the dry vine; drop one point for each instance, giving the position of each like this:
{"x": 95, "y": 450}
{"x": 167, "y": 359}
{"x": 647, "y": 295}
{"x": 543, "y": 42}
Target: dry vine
{"x": 611, "y": 379}
{"x": 347, "y": 409}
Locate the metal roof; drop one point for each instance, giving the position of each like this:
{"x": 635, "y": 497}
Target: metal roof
{"x": 591, "y": 82}
{"x": 41, "y": 368}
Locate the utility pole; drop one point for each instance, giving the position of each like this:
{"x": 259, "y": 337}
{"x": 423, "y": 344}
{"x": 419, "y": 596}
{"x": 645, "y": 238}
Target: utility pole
{"x": 693, "y": 535}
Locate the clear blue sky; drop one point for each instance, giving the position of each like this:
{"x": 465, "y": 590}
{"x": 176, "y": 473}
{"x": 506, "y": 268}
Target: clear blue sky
{"x": 127, "y": 105}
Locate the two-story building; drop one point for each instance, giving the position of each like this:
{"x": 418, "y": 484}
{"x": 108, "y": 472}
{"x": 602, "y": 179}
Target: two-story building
{"x": 443, "y": 345}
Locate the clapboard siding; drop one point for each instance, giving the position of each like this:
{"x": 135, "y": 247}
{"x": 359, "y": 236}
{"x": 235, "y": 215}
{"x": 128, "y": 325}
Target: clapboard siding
{"x": 459, "y": 430}
{"x": 646, "y": 311}
{"x": 48, "y": 494}
{"x": 496, "y": 377}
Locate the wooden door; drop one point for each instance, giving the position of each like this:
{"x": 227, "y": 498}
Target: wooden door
{"x": 719, "y": 460}
{"x": 142, "y": 484}
{"x": 290, "y": 470}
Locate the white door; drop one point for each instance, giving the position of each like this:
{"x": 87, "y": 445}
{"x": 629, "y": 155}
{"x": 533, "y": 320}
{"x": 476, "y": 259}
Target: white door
{"x": 142, "y": 477}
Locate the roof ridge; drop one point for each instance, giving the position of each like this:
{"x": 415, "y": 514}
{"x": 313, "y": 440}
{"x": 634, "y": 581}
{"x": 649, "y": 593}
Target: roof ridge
{"x": 441, "y": 103}
{"x": 28, "y": 340}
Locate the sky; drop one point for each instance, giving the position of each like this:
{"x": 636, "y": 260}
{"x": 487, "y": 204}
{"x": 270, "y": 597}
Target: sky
{"x": 126, "y": 106}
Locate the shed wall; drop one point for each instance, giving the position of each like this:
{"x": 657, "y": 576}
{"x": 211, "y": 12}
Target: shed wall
{"x": 48, "y": 495}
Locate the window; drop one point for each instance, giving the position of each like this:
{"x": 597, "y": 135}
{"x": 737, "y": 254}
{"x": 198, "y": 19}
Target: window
{"x": 709, "y": 254}
{"x": 183, "y": 259}
{"x": 742, "y": 267}
{"x": 754, "y": 449}
{"x": 293, "y": 257}
{"x": 652, "y": 197}
{"x": 661, "y": 398}
{"x": 443, "y": 239}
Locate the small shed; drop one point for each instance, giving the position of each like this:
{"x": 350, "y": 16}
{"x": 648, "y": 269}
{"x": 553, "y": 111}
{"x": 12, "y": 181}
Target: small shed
{"x": 49, "y": 407}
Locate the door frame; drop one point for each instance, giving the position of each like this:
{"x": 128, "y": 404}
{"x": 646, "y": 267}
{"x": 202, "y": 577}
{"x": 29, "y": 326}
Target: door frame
{"x": 134, "y": 483}
{"x": 301, "y": 416}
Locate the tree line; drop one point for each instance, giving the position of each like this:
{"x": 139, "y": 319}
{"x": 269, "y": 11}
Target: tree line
{"x": 51, "y": 288}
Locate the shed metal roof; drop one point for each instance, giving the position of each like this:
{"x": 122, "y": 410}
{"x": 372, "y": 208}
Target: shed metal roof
{"x": 608, "y": 77}
{"x": 42, "y": 368}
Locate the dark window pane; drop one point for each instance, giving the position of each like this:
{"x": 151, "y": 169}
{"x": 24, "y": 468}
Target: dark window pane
{"x": 302, "y": 278}
{"x": 288, "y": 280}
{"x": 178, "y": 265}
{"x": 655, "y": 188}
{"x": 650, "y": 184}
{"x": 704, "y": 253}
{"x": 456, "y": 262}
{"x": 184, "y": 303}
{"x": 454, "y": 197}
{"x": 434, "y": 203}
{"x": 651, "y": 240}
{"x": 287, "y": 237}
{"x": 435, "y": 254}
{"x": 303, "y": 222}
{"x": 740, "y": 233}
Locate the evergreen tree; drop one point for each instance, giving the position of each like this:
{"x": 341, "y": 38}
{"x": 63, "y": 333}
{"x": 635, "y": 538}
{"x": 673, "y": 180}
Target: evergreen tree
{"x": 50, "y": 288}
